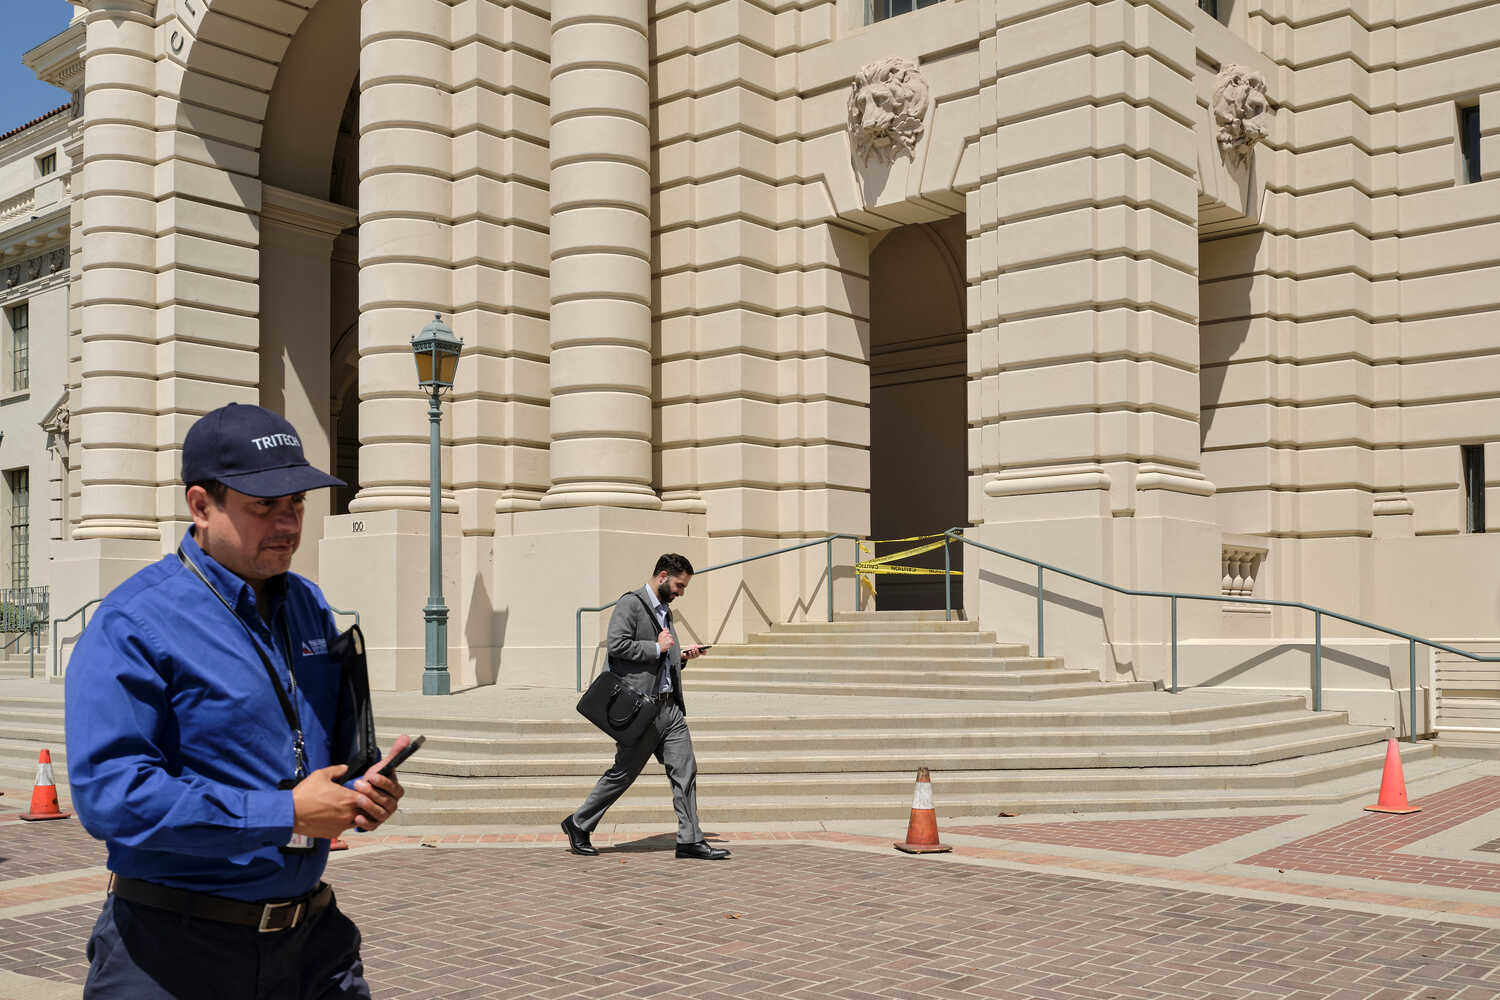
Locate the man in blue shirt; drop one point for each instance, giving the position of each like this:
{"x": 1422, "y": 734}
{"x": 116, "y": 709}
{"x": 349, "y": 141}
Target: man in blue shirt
{"x": 211, "y": 780}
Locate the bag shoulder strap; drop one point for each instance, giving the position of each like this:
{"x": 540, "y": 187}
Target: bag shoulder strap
{"x": 666, "y": 658}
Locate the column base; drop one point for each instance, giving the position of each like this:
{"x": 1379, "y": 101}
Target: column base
{"x": 377, "y": 564}
{"x": 1135, "y": 527}
{"x": 551, "y": 562}
{"x": 83, "y": 570}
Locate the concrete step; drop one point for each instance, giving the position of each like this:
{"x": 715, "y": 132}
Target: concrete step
{"x": 1017, "y": 676}
{"x": 834, "y": 687}
{"x": 591, "y": 762}
{"x": 1328, "y": 778}
{"x": 1157, "y": 709}
{"x": 781, "y": 658}
{"x": 876, "y": 737}
{"x": 875, "y": 625}
{"x": 881, "y": 640}
{"x": 1281, "y": 774}
{"x": 892, "y": 616}
{"x": 893, "y": 651}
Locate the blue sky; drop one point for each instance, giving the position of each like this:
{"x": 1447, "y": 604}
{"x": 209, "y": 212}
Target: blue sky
{"x": 28, "y": 23}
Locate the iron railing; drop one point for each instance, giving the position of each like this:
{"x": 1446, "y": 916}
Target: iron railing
{"x": 828, "y": 580}
{"x": 57, "y": 635}
{"x": 20, "y": 607}
{"x": 1318, "y": 613}
{"x": 15, "y": 640}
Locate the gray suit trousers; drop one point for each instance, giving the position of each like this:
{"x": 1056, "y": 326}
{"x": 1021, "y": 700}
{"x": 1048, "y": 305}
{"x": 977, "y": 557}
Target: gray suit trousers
{"x": 674, "y": 748}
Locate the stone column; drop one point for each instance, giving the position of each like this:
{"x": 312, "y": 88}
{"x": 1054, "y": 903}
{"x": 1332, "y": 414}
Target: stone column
{"x": 406, "y": 239}
{"x": 116, "y": 415}
{"x": 296, "y": 246}
{"x": 601, "y": 525}
{"x": 1083, "y": 345}
{"x": 114, "y": 409}
{"x": 375, "y": 557}
{"x": 601, "y": 256}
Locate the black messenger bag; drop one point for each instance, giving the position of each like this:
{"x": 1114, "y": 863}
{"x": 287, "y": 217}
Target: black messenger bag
{"x": 622, "y": 712}
{"x": 354, "y": 729}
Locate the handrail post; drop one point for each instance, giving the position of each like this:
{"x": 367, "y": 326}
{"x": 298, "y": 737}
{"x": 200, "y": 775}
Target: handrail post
{"x": 1412, "y": 653}
{"x": 947, "y": 581}
{"x": 1174, "y": 646}
{"x": 1040, "y": 623}
{"x": 31, "y": 653}
{"x": 578, "y": 650}
{"x": 1317, "y": 692}
{"x": 829, "y": 547}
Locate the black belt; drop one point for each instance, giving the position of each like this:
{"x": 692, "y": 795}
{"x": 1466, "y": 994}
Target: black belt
{"x": 282, "y": 915}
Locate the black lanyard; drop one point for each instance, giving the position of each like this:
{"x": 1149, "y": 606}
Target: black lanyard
{"x": 288, "y": 704}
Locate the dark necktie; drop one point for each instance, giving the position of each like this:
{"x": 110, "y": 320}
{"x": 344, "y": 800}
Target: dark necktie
{"x": 666, "y": 656}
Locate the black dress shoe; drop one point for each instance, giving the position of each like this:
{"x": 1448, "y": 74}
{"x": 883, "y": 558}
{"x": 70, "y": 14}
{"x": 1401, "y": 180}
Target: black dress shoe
{"x": 702, "y": 851}
{"x": 578, "y": 840}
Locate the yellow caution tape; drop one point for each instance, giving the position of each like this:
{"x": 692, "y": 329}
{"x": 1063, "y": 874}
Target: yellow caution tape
{"x": 883, "y": 564}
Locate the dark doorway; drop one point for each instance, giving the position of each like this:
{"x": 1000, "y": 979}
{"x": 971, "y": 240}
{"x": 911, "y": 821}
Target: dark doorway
{"x": 918, "y": 411}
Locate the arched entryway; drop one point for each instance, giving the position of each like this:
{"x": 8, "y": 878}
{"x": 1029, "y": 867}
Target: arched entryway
{"x": 918, "y": 413}
{"x": 309, "y": 250}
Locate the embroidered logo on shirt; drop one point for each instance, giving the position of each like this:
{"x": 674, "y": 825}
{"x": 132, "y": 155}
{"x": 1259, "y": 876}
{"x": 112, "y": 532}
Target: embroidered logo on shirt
{"x": 314, "y": 647}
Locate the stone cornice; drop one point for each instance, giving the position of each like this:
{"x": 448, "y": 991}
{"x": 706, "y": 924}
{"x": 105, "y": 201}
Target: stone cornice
{"x": 42, "y": 133}
{"x": 302, "y": 212}
{"x": 59, "y": 60}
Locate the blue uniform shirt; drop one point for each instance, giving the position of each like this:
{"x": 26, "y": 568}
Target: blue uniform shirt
{"x": 176, "y": 740}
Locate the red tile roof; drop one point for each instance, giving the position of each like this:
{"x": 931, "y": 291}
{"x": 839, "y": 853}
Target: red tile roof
{"x": 35, "y": 121}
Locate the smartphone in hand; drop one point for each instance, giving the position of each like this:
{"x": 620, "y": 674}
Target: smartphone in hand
{"x": 389, "y": 771}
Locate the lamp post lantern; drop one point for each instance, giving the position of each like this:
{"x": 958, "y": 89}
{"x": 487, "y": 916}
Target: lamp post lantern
{"x": 436, "y": 350}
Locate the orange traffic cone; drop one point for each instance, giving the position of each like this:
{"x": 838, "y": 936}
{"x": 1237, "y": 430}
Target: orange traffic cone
{"x": 922, "y": 831}
{"x": 1392, "y": 786}
{"x": 44, "y": 792}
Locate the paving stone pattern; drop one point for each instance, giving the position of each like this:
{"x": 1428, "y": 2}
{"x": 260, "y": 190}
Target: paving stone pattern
{"x": 795, "y": 921}
{"x": 49, "y": 945}
{"x": 31, "y": 849}
{"x": 1368, "y": 847}
{"x": 1165, "y": 838}
{"x": 799, "y": 922}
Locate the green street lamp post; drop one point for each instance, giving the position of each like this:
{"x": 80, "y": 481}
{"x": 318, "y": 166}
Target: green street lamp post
{"x": 436, "y": 350}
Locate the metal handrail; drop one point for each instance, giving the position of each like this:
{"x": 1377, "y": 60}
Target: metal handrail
{"x": 341, "y": 611}
{"x": 828, "y": 541}
{"x": 1175, "y": 596}
{"x": 56, "y": 635}
{"x": 30, "y": 649}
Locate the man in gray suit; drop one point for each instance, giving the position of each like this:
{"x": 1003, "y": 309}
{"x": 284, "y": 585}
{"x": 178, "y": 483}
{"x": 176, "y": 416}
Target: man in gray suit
{"x": 643, "y": 650}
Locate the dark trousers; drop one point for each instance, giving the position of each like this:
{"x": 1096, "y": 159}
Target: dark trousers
{"x": 139, "y": 952}
{"x": 673, "y": 746}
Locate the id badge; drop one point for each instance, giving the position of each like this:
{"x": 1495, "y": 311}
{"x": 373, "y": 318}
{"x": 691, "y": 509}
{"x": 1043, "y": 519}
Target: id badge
{"x": 299, "y": 843}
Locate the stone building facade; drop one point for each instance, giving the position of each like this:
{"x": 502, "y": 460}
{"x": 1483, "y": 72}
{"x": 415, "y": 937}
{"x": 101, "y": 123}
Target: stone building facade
{"x": 37, "y": 161}
{"x": 1185, "y": 296}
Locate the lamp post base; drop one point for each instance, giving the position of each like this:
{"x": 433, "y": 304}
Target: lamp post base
{"x": 436, "y": 682}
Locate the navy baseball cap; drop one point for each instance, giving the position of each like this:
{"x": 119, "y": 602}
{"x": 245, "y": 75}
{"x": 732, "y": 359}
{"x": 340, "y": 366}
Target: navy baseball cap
{"x": 252, "y": 450}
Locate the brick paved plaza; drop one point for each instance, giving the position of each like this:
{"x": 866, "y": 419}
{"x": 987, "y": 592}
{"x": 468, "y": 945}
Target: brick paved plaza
{"x": 1335, "y": 903}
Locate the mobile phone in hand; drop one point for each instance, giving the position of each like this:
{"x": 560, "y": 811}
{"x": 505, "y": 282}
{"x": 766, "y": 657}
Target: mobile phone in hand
{"x": 389, "y": 771}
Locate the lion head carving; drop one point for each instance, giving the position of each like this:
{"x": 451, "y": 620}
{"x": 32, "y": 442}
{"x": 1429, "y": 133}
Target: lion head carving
{"x": 1240, "y": 108}
{"x": 887, "y": 109}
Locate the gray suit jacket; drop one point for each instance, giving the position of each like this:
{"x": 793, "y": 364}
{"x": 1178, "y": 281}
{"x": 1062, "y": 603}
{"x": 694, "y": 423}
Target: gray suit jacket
{"x": 631, "y": 643}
